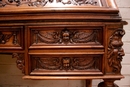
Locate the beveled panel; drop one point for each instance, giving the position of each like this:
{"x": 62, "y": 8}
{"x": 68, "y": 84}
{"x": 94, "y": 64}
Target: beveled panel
{"x": 66, "y": 64}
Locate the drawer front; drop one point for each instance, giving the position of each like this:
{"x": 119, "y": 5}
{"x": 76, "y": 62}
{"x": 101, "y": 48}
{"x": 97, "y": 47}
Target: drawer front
{"x": 85, "y": 64}
{"x": 53, "y": 37}
{"x": 11, "y": 37}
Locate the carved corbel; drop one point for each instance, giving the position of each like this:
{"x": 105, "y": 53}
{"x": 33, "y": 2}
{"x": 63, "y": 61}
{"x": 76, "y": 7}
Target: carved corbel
{"x": 115, "y": 51}
{"x": 20, "y": 61}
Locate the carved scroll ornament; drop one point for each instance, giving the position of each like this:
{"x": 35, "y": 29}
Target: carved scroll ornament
{"x": 40, "y": 3}
{"x": 115, "y": 50}
{"x": 66, "y": 36}
{"x": 20, "y": 61}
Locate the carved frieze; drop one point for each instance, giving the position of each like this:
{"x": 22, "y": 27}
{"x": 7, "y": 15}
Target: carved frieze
{"x": 67, "y": 63}
{"x": 115, "y": 50}
{"x": 5, "y": 37}
{"x": 79, "y": 2}
{"x": 20, "y": 62}
{"x": 40, "y": 3}
{"x": 66, "y": 36}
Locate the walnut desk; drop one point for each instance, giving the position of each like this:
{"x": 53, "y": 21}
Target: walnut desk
{"x": 64, "y": 39}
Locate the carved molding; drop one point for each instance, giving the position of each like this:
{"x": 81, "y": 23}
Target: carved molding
{"x": 115, "y": 50}
{"x": 40, "y": 3}
{"x": 67, "y": 63}
{"x": 20, "y": 61}
{"x": 66, "y": 36}
{"x": 4, "y": 38}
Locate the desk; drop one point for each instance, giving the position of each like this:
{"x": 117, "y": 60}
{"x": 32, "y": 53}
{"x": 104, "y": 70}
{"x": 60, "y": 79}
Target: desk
{"x": 58, "y": 39}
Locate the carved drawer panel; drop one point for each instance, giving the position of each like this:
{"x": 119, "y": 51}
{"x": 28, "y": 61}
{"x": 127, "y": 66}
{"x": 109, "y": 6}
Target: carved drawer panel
{"x": 86, "y": 64}
{"x": 43, "y": 37}
{"x": 11, "y": 37}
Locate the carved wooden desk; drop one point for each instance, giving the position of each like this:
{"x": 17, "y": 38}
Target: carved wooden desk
{"x": 64, "y": 39}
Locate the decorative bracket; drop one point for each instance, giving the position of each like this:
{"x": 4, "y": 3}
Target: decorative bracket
{"x": 20, "y": 61}
{"x": 115, "y": 50}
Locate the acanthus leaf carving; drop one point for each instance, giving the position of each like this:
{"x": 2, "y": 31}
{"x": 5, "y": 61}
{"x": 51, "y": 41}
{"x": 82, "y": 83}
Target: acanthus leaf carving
{"x": 79, "y": 2}
{"x": 115, "y": 50}
{"x": 20, "y": 61}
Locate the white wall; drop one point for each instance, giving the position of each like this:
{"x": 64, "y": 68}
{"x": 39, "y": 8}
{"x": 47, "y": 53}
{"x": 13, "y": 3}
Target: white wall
{"x": 124, "y": 6}
{"x": 10, "y": 76}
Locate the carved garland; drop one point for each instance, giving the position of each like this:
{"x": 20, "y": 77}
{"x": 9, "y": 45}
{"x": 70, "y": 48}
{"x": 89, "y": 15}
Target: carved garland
{"x": 67, "y": 63}
{"x": 38, "y": 3}
{"x": 66, "y": 36}
{"x": 5, "y": 38}
{"x": 115, "y": 50}
{"x": 20, "y": 61}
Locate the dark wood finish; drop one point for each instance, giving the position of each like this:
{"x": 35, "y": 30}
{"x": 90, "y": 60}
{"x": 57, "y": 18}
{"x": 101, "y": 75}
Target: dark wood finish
{"x": 88, "y": 83}
{"x": 64, "y": 39}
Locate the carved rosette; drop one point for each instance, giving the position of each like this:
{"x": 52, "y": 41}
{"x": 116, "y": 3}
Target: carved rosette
{"x": 115, "y": 50}
{"x": 67, "y": 63}
{"x": 41, "y": 3}
{"x": 66, "y": 36}
{"x": 20, "y": 61}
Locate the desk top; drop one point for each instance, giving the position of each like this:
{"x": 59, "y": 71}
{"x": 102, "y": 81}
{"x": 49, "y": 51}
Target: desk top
{"x": 26, "y": 6}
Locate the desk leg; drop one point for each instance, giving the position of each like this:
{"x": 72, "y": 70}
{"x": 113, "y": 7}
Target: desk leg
{"x": 88, "y": 83}
{"x": 107, "y": 83}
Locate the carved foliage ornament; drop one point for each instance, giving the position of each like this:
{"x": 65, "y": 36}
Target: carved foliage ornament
{"x": 115, "y": 50}
{"x": 4, "y": 37}
{"x": 66, "y": 36}
{"x": 20, "y": 61}
{"x": 67, "y": 63}
{"x": 38, "y": 3}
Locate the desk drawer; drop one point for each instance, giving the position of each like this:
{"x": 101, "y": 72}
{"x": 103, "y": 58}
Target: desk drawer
{"x": 83, "y": 64}
{"x": 11, "y": 37}
{"x": 65, "y": 37}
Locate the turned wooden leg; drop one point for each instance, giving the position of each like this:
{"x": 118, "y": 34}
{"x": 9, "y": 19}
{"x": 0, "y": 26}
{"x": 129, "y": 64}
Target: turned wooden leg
{"x": 107, "y": 83}
{"x": 88, "y": 83}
